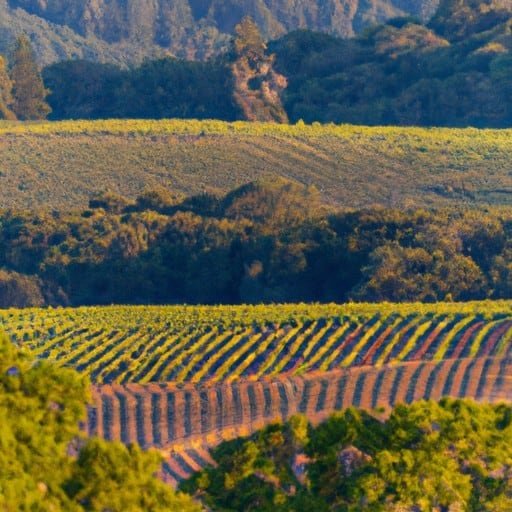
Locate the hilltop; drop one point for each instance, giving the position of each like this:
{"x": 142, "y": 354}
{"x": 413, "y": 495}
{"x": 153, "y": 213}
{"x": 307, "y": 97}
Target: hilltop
{"x": 60, "y": 165}
{"x": 127, "y": 31}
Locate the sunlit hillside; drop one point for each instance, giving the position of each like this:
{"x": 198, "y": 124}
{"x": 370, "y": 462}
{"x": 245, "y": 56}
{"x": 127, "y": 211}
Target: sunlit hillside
{"x": 59, "y": 165}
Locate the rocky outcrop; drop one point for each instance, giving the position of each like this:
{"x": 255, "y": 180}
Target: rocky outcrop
{"x": 187, "y": 28}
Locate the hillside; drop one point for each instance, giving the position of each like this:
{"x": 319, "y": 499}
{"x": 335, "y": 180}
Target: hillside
{"x": 184, "y": 379}
{"x": 59, "y": 166}
{"x": 128, "y": 30}
{"x": 452, "y": 71}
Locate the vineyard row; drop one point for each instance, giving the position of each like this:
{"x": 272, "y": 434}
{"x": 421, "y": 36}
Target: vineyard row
{"x": 165, "y": 416}
{"x": 214, "y": 354}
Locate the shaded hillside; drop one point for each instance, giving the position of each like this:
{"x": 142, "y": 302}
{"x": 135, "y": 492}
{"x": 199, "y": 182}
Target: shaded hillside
{"x": 454, "y": 71}
{"x": 187, "y": 28}
{"x": 54, "y": 42}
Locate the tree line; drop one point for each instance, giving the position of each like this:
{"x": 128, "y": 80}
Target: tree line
{"x": 240, "y": 84}
{"x": 453, "y": 71}
{"x": 263, "y": 242}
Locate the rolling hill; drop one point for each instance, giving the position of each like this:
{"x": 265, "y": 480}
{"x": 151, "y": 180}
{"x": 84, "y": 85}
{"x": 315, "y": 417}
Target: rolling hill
{"x": 179, "y": 379}
{"x": 60, "y": 165}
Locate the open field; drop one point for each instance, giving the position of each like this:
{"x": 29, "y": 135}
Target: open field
{"x": 59, "y": 165}
{"x": 225, "y": 343}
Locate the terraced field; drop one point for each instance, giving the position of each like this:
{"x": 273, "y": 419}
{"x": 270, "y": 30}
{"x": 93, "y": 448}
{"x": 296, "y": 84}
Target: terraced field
{"x": 60, "y": 165}
{"x": 182, "y": 379}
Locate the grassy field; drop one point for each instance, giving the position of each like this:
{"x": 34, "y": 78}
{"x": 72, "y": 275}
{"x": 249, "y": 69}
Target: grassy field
{"x": 59, "y": 165}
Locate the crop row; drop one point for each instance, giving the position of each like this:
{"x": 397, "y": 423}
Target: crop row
{"x": 163, "y": 415}
{"x": 149, "y": 348}
{"x": 38, "y": 323}
{"x": 182, "y": 463}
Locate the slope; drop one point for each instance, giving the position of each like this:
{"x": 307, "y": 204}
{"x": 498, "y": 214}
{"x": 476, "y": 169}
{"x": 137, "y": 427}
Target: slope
{"x": 188, "y": 28}
{"x": 60, "y": 165}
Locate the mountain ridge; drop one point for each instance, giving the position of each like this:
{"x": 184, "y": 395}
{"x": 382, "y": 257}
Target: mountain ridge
{"x": 125, "y": 32}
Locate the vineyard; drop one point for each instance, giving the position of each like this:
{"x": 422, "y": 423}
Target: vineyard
{"x": 60, "y": 165}
{"x": 191, "y": 418}
{"x": 198, "y": 345}
{"x": 182, "y": 379}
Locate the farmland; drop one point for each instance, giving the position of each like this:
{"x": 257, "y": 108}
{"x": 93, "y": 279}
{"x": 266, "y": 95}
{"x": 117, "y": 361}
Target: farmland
{"x": 213, "y": 344}
{"x": 182, "y": 379}
{"x": 184, "y": 422}
{"x": 60, "y": 165}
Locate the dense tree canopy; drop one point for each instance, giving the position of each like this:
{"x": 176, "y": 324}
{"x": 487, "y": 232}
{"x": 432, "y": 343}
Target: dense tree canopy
{"x": 29, "y": 91}
{"x": 454, "y": 71}
{"x": 263, "y": 242}
{"x": 162, "y": 88}
{"x": 425, "y": 457}
{"x": 6, "y": 99}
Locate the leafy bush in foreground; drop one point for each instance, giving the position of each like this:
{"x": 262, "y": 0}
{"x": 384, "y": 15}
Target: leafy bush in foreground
{"x": 447, "y": 456}
{"x": 40, "y": 409}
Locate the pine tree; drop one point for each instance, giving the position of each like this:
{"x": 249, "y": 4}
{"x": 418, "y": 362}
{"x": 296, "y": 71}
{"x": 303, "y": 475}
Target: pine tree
{"x": 257, "y": 86}
{"x": 29, "y": 91}
{"x": 6, "y": 99}
{"x": 248, "y": 40}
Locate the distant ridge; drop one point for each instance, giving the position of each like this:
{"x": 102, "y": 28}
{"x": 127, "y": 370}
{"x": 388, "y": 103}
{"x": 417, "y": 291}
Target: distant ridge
{"x": 126, "y": 31}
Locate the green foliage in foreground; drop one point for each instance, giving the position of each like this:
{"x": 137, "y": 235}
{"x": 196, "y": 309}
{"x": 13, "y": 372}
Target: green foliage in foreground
{"x": 447, "y": 456}
{"x": 40, "y": 409}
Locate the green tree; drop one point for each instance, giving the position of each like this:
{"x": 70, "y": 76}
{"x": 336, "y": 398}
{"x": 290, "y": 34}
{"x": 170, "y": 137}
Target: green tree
{"x": 448, "y": 456}
{"x": 41, "y": 406}
{"x": 6, "y": 99}
{"x": 29, "y": 90}
{"x": 110, "y": 476}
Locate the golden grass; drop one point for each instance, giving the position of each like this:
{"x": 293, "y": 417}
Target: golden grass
{"x": 59, "y": 165}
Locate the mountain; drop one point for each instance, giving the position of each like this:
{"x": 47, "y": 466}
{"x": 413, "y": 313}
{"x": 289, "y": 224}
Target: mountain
{"x": 126, "y": 31}
{"x": 454, "y": 70}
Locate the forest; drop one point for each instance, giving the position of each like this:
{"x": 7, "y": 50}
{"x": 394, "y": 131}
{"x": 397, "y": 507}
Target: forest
{"x": 263, "y": 242}
{"x": 447, "y": 72}
{"x": 453, "y": 70}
